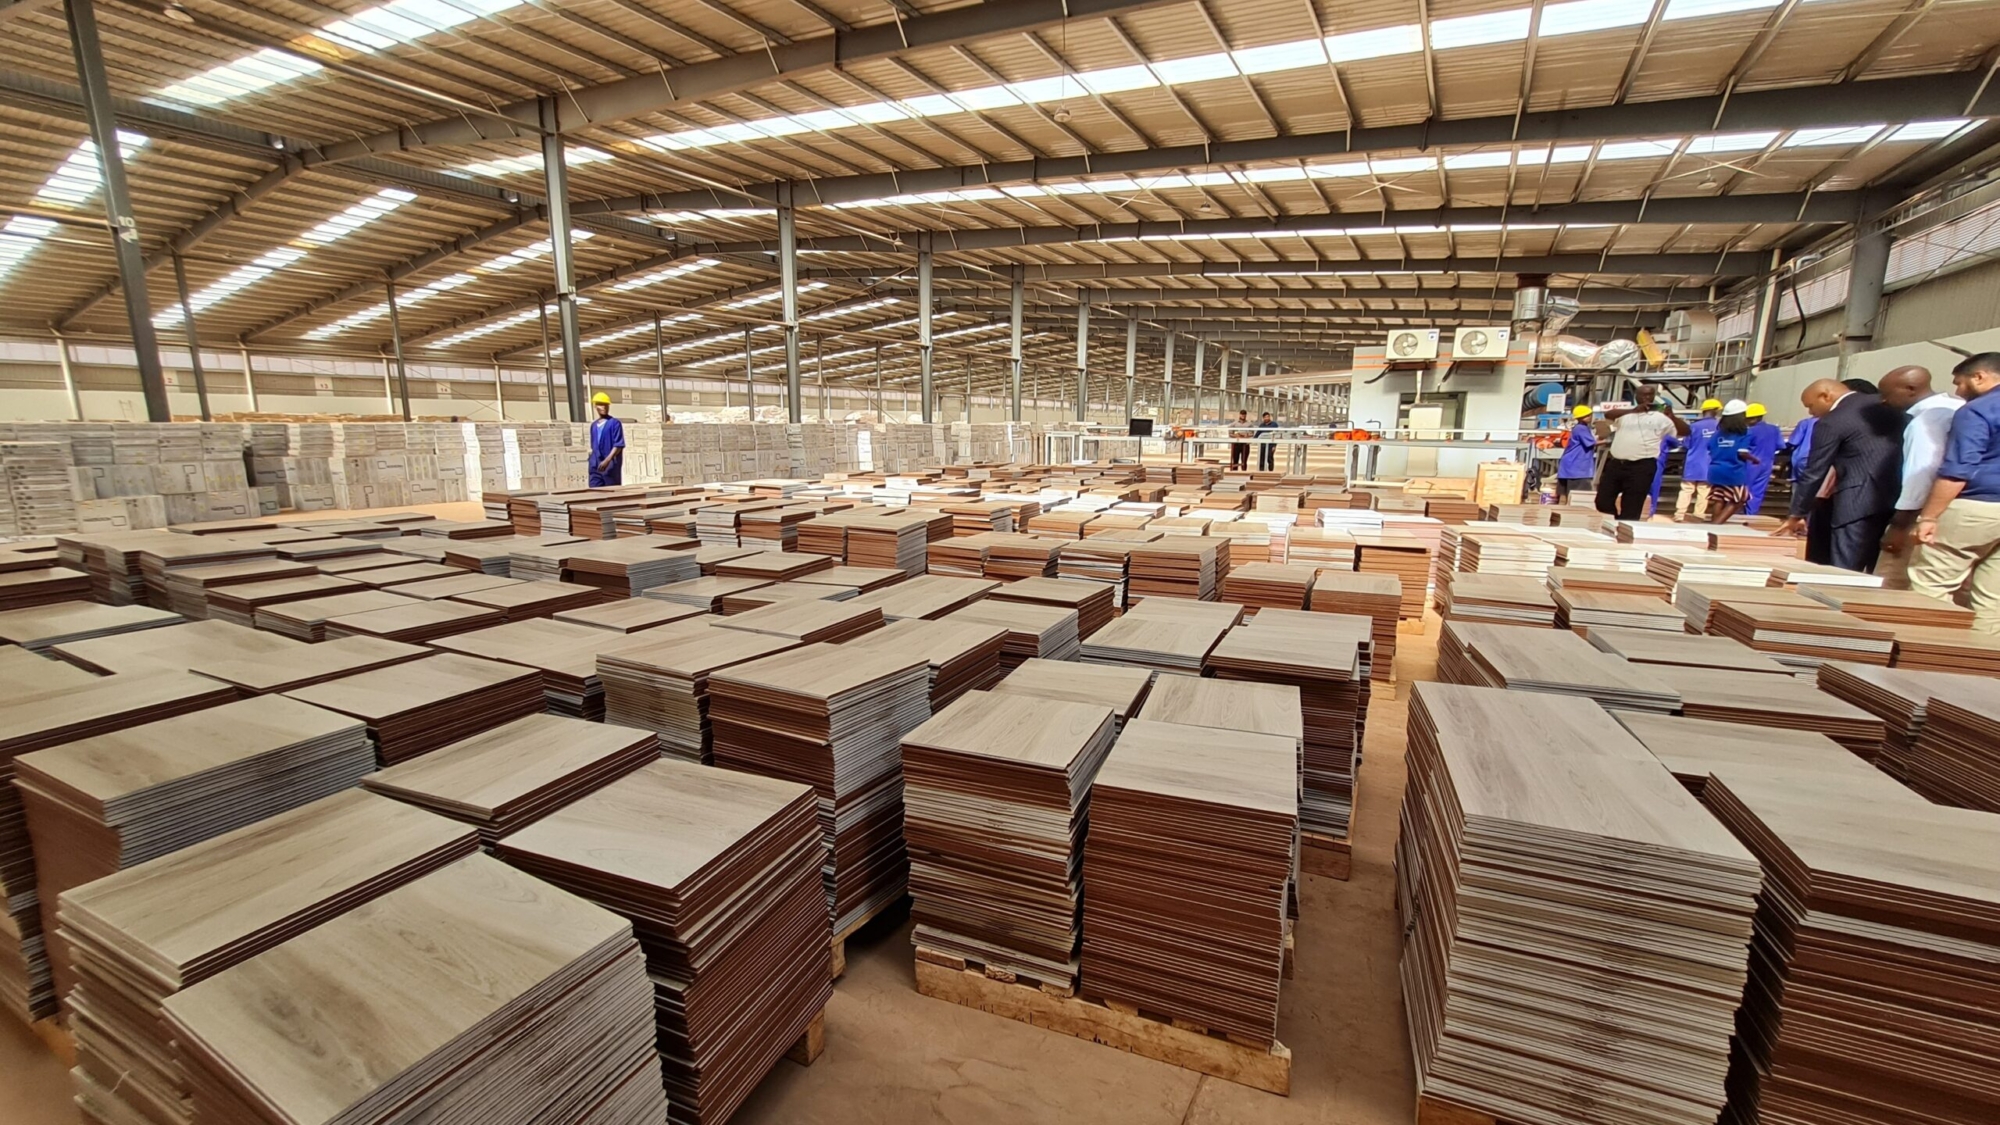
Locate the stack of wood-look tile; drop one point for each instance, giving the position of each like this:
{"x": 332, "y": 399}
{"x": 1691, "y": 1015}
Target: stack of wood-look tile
{"x": 563, "y": 655}
{"x": 466, "y": 529}
{"x": 719, "y": 873}
{"x": 958, "y": 557}
{"x": 416, "y": 707}
{"x": 1268, "y": 585}
{"x": 1891, "y": 607}
{"x": 475, "y": 993}
{"x": 1871, "y": 997}
{"x": 1930, "y": 648}
{"x": 1595, "y": 609}
{"x": 974, "y": 519}
{"x": 1160, "y": 643}
{"x": 1956, "y": 758}
{"x": 40, "y": 628}
{"x": 629, "y": 615}
{"x": 188, "y": 587}
{"x": 27, "y": 674}
{"x": 660, "y": 683}
{"x": 172, "y": 648}
{"x": 1699, "y": 601}
{"x": 1505, "y": 599}
{"x": 1034, "y": 630}
{"x": 1900, "y": 697}
{"x": 35, "y": 722}
{"x": 432, "y": 589}
{"x": 927, "y": 596}
{"x": 774, "y": 566}
{"x": 386, "y": 576}
{"x": 625, "y": 568}
{"x": 1121, "y": 689}
{"x": 1695, "y": 749}
{"x": 1192, "y": 850}
{"x": 996, "y": 795}
{"x": 832, "y": 717}
{"x": 415, "y": 622}
{"x": 504, "y": 779}
{"x": 1377, "y": 597}
{"x": 1066, "y": 523}
{"x": 1328, "y": 548}
{"x": 808, "y": 620}
{"x": 963, "y": 655}
{"x": 1406, "y": 558}
{"x": 1482, "y": 553}
{"x": 47, "y": 585}
{"x": 1333, "y": 694}
{"x": 1092, "y": 601}
{"x": 775, "y": 593}
{"x": 1577, "y": 925}
{"x": 1790, "y": 703}
{"x": 1177, "y": 567}
{"x": 1013, "y": 557}
{"x": 306, "y": 620}
{"x": 1803, "y": 638}
{"x": 1652, "y": 646}
{"x": 303, "y": 664}
{"x": 1672, "y": 568}
{"x": 706, "y": 593}
{"x": 118, "y": 799}
{"x": 1806, "y": 575}
{"x": 143, "y": 934}
{"x": 860, "y": 578}
{"x": 533, "y": 599}
{"x": 1605, "y": 581}
{"x": 898, "y": 541}
{"x": 1547, "y": 660}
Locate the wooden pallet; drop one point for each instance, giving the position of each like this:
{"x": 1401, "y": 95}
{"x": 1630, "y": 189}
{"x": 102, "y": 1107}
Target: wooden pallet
{"x": 1437, "y": 1111}
{"x": 854, "y": 927}
{"x": 57, "y": 1038}
{"x": 944, "y": 976}
{"x": 812, "y": 1044}
{"x": 1331, "y": 856}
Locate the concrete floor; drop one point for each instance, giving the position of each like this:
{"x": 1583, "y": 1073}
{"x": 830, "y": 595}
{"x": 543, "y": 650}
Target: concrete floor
{"x": 896, "y": 1058}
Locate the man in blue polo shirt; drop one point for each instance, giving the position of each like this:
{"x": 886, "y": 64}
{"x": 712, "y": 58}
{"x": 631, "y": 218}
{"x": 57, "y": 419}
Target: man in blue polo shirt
{"x": 607, "y": 444}
{"x": 1958, "y": 533}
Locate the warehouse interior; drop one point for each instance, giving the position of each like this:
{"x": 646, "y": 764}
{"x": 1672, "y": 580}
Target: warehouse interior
{"x": 507, "y": 501}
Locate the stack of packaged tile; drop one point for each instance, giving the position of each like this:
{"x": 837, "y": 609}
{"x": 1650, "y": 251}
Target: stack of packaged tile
{"x": 39, "y": 497}
{"x": 296, "y": 459}
{"x": 898, "y": 447}
{"x": 109, "y": 496}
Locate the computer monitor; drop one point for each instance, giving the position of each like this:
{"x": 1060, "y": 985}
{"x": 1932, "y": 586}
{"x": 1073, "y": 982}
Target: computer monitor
{"x": 1139, "y": 427}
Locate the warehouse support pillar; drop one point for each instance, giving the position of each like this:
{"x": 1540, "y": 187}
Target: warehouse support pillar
{"x": 788, "y": 287}
{"x": 1014, "y": 346}
{"x": 192, "y": 336}
{"x": 925, "y": 310}
{"x": 555, "y": 175}
{"x": 1131, "y": 364}
{"x": 95, "y": 86}
{"x": 1868, "y": 273}
{"x": 396, "y": 345}
{"x": 1082, "y": 355}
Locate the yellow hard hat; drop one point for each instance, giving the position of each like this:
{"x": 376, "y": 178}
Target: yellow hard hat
{"x": 1580, "y": 412}
{"x": 1710, "y": 404}
{"x": 1756, "y": 410}
{"x": 600, "y": 399}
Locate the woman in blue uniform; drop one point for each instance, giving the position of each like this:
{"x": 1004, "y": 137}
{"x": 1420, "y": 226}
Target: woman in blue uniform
{"x": 1579, "y": 459}
{"x": 1731, "y": 453}
{"x": 1765, "y": 439}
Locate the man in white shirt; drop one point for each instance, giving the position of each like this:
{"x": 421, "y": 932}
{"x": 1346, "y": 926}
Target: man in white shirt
{"x": 1909, "y": 389}
{"x": 1636, "y": 434}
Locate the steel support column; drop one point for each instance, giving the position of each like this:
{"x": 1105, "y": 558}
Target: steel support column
{"x": 1014, "y": 350}
{"x": 396, "y": 344}
{"x": 926, "y": 309}
{"x": 660, "y": 365}
{"x": 249, "y": 380}
{"x": 1082, "y": 355}
{"x": 788, "y": 286}
{"x": 1868, "y": 274}
{"x": 749, "y": 378}
{"x": 1243, "y": 384}
{"x": 1767, "y": 302}
{"x": 68, "y": 378}
{"x": 1200, "y": 360}
{"x": 1131, "y": 365}
{"x": 98, "y": 107}
{"x": 499, "y": 394}
{"x": 192, "y": 336}
{"x": 555, "y": 174}
{"x": 548, "y": 362}
{"x": 1167, "y": 387}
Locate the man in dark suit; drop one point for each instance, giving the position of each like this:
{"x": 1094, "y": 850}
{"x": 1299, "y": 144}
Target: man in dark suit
{"x": 1847, "y": 494}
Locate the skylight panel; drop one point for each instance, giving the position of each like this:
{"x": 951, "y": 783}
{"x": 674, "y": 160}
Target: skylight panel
{"x": 874, "y": 113}
{"x": 1470, "y": 160}
{"x": 1510, "y": 26}
{"x": 930, "y": 105}
{"x": 1731, "y": 142}
{"x": 1118, "y": 79}
{"x": 1338, "y": 171}
{"x": 1579, "y": 16}
{"x": 1403, "y": 164}
{"x": 529, "y": 253}
{"x": 1198, "y": 68}
{"x": 1809, "y": 138}
{"x": 985, "y": 97}
{"x": 1637, "y": 150}
{"x": 357, "y": 216}
{"x": 1928, "y": 130}
{"x": 1380, "y": 43}
{"x": 1273, "y": 175}
{"x": 500, "y": 325}
{"x": 1054, "y": 89}
{"x": 18, "y": 239}
{"x": 1695, "y": 9}
{"x": 1281, "y": 56}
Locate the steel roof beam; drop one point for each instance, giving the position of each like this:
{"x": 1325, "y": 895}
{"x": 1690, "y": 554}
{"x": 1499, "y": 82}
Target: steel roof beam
{"x": 1148, "y": 301}
{"x": 1876, "y": 102}
{"x": 1733, "y": 264}
{"x": 653, "y": 93}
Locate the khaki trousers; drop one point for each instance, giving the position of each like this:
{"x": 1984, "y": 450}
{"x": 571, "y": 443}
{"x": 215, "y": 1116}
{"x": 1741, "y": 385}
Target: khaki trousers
{"x": 1691, "y": 496}
{"x": 1965, "y": 557}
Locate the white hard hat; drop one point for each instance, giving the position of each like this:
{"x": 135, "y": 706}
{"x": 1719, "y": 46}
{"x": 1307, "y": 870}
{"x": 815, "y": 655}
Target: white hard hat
{"x": 1735, "y": 406}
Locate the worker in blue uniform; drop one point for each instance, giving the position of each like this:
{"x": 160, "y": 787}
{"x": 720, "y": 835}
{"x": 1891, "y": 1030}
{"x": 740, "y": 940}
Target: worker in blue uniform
{"x": 607, "y": 444}
{"x": 1692, "y": 497}
{"x": 1765, "y": 441}
{"x": 1579, "y": 459}
{"x": 1667, "y": 445}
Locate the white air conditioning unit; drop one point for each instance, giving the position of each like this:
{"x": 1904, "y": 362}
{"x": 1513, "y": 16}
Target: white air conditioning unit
{"x": 1412, "y": 344}
{"x": 1480, "y": 343}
